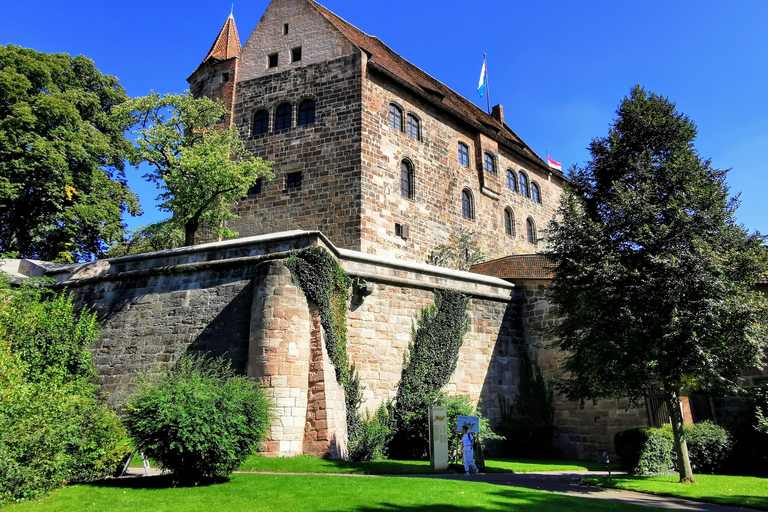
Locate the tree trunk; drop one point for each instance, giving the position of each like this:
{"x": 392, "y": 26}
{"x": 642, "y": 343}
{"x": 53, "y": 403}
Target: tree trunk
{"x": 190, "y": 230}
{"x": 681, "y": 447}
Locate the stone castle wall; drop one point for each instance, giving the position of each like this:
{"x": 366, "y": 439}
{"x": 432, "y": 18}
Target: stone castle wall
{"x": 435, "y": 210}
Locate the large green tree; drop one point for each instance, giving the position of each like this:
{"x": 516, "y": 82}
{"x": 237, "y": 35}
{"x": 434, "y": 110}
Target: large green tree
{"x": 200, "y": 167}
{"x": 62, "y": 187}
{"x": 654, "y": 278}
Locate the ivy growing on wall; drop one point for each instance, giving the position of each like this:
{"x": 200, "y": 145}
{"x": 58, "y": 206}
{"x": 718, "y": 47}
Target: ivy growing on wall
{"x": 431, "y": 361}
{"x": 326, "y": 284}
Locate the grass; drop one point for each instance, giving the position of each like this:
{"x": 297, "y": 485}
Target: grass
{"x": 310, "y": 493}
{"x": 723, "y": 489}
{"x": 309, "y": 464}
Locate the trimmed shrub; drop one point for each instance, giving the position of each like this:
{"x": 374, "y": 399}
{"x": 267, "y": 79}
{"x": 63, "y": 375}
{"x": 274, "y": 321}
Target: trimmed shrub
{"x": 198, "y": 419}
{"x": 709, "y": 446}
{"x": 645, "y": 451}
{"x": 648, "y": 451}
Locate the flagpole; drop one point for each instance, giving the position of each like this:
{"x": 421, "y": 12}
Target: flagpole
{"x": 487, "y": 85}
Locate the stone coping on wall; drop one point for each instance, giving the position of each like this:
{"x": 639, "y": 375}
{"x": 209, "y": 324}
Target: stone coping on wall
{"x": 256, "y": 249}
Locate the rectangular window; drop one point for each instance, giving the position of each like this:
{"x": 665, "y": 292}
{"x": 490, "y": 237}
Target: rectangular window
{"x": 463, "y": 154}
{"x": 293, "y": 181}
{"x": 272, "y": 61}
{"x": 255, "y": 188}
{"x": 296, "y": 54}
{"x": 401, "y": 230}
{"x": 285, "y": 28}
{"x": 225, "y": 77}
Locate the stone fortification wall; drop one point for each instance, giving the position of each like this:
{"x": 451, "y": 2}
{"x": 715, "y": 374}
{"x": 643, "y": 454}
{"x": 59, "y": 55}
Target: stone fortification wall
{"x": 581, "y": 429}
{"x": 237, "y": 299}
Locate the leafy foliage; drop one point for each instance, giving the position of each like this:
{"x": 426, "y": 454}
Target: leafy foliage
{"x": 200, "y": 166}
{"x": 151, "y": 238}
{"x": 459, "y": 252}
{"x": 62, "y": 187}
{"x": 326, "y": 284}
{"x": 433, "y": 354}
{"x": 653, "y": 277}
{"x": 372, "y": 437}
{"x": 529, "y": 423}
{"x": 52, "y": 428}
{"x": 199, "y": 419}
{"x": 460, "y": 406}
{"x": 47, "y": 333}
{"x": 649, "y": 451}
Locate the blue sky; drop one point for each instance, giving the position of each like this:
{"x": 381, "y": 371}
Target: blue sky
{"x": 559, "y": 68}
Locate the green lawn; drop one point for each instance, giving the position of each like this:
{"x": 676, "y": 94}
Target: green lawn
{"x": 309, "y": 493}
{"x": 724, "y": 489}
{"x": 309, "y": 464}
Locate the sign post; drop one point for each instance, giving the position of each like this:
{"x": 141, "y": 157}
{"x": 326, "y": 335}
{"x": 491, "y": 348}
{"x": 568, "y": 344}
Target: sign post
{"x": 438, "y": 438}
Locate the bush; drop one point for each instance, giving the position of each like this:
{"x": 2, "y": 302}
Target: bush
{"x": 709, "y": 446}
{"x": 50, "y": 435}
{"x": 370, "y": 443}
{"x": 52, "y": 428}
{"x": 645, "y": 451}
{"x": 648, "y": 451}
{"x": 198, "y": 419}
{"x": 460, "y": 406}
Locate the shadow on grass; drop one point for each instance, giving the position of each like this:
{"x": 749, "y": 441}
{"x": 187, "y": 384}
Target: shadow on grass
{"x": 153, "y": 482}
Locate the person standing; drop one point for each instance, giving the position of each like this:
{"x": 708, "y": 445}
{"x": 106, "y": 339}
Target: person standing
{"x": 468, "y": 452}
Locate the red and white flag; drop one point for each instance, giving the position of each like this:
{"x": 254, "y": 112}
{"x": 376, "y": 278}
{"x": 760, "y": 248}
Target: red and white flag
{"x": 553, "y": 164}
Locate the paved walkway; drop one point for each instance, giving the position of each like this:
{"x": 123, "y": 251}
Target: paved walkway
{"x": 562, "y": 482}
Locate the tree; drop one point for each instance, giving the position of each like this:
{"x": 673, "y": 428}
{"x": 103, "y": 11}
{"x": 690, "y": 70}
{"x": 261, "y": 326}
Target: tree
{"x": 62, "y": 186}
{"x": 653, "y": 278}
{"x": 460, "y": 252}
{"x": 200, "y": 166}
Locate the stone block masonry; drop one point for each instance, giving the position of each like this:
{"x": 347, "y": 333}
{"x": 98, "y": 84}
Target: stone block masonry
{"x": 237, "y": 299}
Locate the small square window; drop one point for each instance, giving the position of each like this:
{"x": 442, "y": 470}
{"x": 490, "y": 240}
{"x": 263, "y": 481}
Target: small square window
{"x": 296, "y": 54}
{"x": 293, "y": 181}
{"x": 285, "y": 28}
{"x": 255, "y": 188}
{"x": 401, "y": 230}
{"x": 272, "y": 61}
{"x": 225, "y": 77}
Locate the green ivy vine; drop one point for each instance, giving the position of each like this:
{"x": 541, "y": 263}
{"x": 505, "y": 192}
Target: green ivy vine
{"x": 326, "y": 284}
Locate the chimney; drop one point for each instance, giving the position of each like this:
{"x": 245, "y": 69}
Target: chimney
{"x": 498, "y": 113}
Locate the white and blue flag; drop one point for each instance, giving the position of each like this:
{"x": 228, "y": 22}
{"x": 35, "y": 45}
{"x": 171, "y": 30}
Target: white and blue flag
{"x": 483, "y": 79}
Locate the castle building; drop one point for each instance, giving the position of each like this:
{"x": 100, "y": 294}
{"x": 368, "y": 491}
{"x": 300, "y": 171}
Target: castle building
{"x": 367, "y": 148}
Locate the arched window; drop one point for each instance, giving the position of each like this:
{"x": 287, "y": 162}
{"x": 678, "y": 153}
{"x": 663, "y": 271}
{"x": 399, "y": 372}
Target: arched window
{"x": 260, "y": 122}
{"x": 463, "y": 154}
{"x": 509, "y": 222}
{"x": 406, "y": 179}
{"x": 413, "y": 127}
{"x": 535, "y": 193}
{"x": 489, "y": 163}
{"x": 395, "y": 117}
{"x": 467, "y": 206}
{"x": 511, "y": 180}
{"x": 531, "y": 230}
{"x": 523, "y": 181}
{"x": 283, "y": 117}
{"x": 306, "y": 113}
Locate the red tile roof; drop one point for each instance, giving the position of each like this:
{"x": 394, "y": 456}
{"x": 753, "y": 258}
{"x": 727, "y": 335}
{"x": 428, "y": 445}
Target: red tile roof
{"x": 382, "y": 59}
{"x": 522, "y": 266}
{"x": 227, "y": 43}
